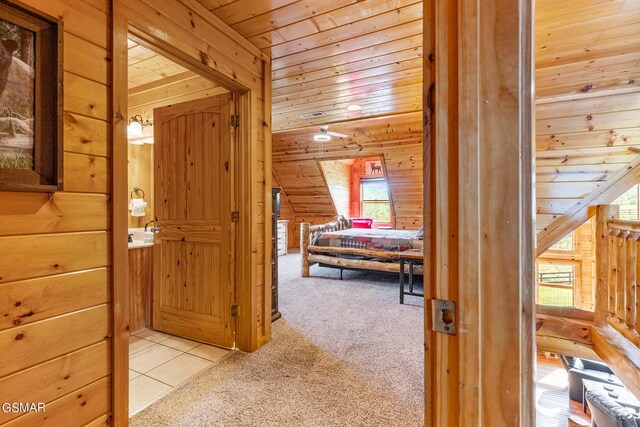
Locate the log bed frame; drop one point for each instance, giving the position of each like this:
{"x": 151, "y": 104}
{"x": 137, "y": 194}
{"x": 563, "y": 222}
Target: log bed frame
{"x": 344, "y": 258}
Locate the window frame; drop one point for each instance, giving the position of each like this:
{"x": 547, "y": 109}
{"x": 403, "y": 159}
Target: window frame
{"x": 576, "y": 264}
{"x": 637, "y": 188}
{"x": 575, "y": 246}
{"x": 363, "y": 181}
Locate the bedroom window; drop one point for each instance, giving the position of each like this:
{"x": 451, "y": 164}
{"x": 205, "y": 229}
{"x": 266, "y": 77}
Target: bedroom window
{"x": 374, "y": 199}
{"x": 628, "y": 203}
{"x": 556, "y": 283}
{"x": 565, "y": 244}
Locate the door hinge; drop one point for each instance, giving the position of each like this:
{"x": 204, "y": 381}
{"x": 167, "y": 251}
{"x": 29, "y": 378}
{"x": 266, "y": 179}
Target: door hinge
{"x": 235, "y": 121}
{"x": 235, "y": 216}
{"x": 234, "y": 310}
{"x": 444, "y": 316}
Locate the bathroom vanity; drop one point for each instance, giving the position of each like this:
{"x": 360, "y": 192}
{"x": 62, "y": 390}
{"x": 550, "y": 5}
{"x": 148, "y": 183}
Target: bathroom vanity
{"x": 140, "y": 280}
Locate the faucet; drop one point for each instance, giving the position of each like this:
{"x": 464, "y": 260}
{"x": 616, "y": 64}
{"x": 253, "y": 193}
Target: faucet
{"x": 148, "y": 232}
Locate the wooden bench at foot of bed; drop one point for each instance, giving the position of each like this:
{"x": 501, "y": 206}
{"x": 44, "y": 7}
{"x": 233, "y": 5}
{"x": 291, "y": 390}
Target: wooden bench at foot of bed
{"x": 352, "y": 258}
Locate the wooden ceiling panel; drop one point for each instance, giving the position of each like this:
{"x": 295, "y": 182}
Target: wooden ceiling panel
{"x": 586, "y": 45}
{"x": 588, "y": 104}
{"x": 295, "y": 11}
{"x": 393, "y": 25}
{"x": 329, "y": 54}
{"x": 584, "y": 173}
{"x": 146, "y": 66}
{"x": 323, "y": 53}
{"x": 292, "y": 75}
{"x": 398, "y": 139}
{"x": 155, "y": 81}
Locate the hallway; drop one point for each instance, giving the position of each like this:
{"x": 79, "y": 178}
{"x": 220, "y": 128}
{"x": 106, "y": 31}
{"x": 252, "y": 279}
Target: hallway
{"x": 344, "y": 353}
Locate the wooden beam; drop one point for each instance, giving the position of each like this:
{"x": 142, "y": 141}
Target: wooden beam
{"x": 620, "y": 355}
{"x": 354, "y": 251}
{"x": 565, "y": 347}
{"x": 579, "y": 213}
{"x": 565, "y": 312}
{"x": 574, "y": 330}
{"x": 119, "y": 226}
{"x": 483, "y": 375}
{"x": 390, "y": 267}
{"x": 161, "y": 82}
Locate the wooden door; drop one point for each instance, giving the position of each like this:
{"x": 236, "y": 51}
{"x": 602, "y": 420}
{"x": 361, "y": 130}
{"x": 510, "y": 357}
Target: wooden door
{"x": 479, "y": 237}
{"x": 194, "y": 251}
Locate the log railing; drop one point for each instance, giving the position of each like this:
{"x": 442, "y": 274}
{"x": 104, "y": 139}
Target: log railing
{"x": 618, "y": 272}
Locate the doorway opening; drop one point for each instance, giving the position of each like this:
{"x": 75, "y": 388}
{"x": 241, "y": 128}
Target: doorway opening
{"x": 181, "y": 250}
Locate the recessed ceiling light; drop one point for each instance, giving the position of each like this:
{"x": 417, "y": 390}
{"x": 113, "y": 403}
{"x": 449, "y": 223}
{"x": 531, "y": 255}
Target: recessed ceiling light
{"x": 321, "y": 137}
{"x": 354, "y": 107}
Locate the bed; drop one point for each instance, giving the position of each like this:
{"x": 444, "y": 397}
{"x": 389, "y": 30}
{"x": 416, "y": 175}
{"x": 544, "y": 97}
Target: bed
{"x": 338, "y": 245}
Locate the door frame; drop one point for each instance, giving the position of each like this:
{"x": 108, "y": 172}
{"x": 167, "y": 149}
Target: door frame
{"x": 246, "y": 155}
{"x": 478, "y": 216}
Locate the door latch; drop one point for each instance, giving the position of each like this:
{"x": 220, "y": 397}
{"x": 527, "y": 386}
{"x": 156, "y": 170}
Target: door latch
{"x": 444, "y": 316}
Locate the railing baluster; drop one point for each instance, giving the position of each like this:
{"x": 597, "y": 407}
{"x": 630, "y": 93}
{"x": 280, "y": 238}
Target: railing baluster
{"x": 630, "y": 282}
{"x": 621, "y": 267}
{"x": 604, "y": 213}
{"x": 622, "y": 254}
{"x": 613, "y": 271}
{"x": 636, "y": 292}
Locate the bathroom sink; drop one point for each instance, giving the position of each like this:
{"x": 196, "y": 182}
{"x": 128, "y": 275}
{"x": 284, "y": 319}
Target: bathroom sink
{"x": 138, "y": 239}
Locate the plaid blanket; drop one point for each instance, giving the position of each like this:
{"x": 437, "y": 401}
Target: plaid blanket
{"x": 370, "y": 239}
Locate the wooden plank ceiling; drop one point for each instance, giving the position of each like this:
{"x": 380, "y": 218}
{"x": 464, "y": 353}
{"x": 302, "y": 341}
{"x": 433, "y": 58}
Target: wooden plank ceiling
{"x": 328, "y": 55}
{"x": 588, "y": 102}
{"x": 155, "y": 81}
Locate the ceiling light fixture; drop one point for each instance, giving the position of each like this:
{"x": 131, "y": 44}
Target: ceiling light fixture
{"x": 354, "y": 107}
{"x": 136, "y": 124}
{"x": 321, "y": 137}
{"x": 325, "y": 135}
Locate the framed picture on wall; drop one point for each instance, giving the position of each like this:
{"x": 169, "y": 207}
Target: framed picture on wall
{"x": 373, "y": 167}
{"x": 30, "y": 100}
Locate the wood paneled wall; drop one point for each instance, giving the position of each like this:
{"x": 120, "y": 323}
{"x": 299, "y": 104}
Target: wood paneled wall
{"x": 338, "y": 177}
{"x": 397, "y": 139}
{"x": 141, "y": 176}
{"x": 55, "y": 286}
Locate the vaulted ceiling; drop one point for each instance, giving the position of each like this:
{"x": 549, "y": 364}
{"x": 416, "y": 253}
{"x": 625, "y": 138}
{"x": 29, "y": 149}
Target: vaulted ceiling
{"x": 327, "y": 55}
{"x": 587, "y": 107}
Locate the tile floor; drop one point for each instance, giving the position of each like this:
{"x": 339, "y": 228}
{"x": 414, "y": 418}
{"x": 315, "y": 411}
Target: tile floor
{"x": 159, "y": 362}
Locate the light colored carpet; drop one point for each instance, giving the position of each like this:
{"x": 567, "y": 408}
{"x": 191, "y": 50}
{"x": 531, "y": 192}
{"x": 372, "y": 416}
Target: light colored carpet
{"x": 344, "y": 353}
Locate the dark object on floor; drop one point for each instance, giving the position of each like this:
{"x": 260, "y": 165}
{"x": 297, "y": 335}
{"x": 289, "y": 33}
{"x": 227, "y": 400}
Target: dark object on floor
{"x": 580, "y": 369}
{"x": 607, "y": 413}
{"x": 411, "y": 257}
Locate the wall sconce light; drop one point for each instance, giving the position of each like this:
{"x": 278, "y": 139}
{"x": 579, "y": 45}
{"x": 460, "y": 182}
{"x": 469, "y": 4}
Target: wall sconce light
{"x": 136, "y": 124}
